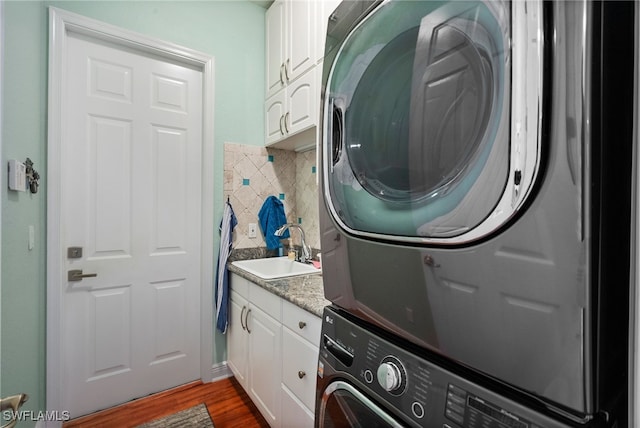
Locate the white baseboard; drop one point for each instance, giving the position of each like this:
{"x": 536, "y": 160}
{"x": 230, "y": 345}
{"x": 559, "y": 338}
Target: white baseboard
{"x": 220, "y": 371}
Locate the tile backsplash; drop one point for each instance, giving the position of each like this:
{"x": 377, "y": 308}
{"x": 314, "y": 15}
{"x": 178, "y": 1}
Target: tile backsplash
{"x": 253, "y": 173}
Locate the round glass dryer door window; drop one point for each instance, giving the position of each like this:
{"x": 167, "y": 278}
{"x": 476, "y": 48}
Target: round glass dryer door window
{"x": 417, "y": 120}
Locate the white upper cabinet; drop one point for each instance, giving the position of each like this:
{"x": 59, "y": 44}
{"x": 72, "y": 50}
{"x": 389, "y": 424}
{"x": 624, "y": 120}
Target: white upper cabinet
{"x": 292, "y": 109}
{"x": 295, "y": 39}
{"x": 293, "y": 93}
{"x": 324, "y": 9}
{"x": 275, "y": 49}
{"x": 291, "y": 42}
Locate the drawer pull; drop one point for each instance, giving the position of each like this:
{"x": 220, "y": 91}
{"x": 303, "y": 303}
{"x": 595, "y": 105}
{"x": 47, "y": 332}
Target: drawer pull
{"x": 302, "y": 324}
{"x": 301, "y": 374}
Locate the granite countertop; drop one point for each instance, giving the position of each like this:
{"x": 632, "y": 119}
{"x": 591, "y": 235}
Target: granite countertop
{"x": 305, "y": 291}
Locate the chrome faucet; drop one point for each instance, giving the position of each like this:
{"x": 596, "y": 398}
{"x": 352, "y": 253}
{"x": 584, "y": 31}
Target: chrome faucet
{"x": 306, "y": 250}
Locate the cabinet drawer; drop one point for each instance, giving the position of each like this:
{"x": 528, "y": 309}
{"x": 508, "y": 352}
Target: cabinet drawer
{"x": 294, "y": 413}
{"x": 303, "y": 323}
{"x": 265, "y": 300}
{"x": 299, "y": 365}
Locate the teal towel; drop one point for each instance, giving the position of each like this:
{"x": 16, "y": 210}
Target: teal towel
{"x": 271, "y": 217}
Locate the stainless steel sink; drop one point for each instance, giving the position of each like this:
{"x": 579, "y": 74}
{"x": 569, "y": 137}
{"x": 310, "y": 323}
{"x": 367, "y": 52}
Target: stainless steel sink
{"x": 276, "y": 267}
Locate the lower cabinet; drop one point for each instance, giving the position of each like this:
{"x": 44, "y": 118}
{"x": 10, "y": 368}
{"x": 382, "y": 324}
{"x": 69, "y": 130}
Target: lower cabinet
{"x": 272, "y": 349}
{"x": 254, "y": 344}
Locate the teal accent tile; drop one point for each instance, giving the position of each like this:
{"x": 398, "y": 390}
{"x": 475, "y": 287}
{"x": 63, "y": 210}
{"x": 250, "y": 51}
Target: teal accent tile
{"x": 281, "y": 196}
{"x": 270, "y": 158}
{"x": 299, "y": 220}
{"x": 245, "y": 181}
{"x": 313, "y": 169}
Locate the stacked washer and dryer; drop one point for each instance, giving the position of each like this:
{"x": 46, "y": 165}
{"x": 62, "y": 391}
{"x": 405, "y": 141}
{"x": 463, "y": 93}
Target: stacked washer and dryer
{"x": 475, "y": 209}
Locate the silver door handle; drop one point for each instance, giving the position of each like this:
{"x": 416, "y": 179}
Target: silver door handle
{"x": 77, "y": 275}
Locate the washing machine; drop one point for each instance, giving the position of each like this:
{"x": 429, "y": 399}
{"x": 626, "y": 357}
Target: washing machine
{"x": 367, "y": 378}
{"x": 475, "y": 195}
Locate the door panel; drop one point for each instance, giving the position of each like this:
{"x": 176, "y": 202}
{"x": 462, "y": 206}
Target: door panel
{"x": 109, "y": 144}
{"x": 131, "y": 189}
{"x": 169, "y": 190}
{"x": 110, "y": 350}
{"x": 169, "y": 320}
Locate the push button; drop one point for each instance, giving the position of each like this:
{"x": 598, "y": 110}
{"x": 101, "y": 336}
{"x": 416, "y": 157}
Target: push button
{"x": 368, "y": 376}
{"x": 454, "y": 416}
{"x": 417, "y": 409}
{"x": 456, "y": 402}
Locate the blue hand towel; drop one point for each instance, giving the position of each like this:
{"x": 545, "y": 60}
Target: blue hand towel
{"x": 227, "y": 225}
{"x": 271, "y": 217}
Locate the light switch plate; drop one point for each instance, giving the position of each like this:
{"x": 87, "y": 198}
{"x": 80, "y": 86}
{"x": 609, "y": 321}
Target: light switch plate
{"x": 253, "y": 230}
{"x": 17, "y": 176}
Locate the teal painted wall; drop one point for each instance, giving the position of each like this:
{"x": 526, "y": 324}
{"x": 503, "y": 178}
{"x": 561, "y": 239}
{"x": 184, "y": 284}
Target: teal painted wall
{"x": 231, "y": 31}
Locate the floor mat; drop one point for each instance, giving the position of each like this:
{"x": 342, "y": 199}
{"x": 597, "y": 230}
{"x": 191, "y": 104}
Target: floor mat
{"x": 196, "y": 417}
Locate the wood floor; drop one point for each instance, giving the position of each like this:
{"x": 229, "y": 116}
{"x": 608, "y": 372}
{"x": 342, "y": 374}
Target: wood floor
{"x": 228, "y": 405}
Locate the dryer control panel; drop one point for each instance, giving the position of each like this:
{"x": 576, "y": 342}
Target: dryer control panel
{"x": 409, "y": 386}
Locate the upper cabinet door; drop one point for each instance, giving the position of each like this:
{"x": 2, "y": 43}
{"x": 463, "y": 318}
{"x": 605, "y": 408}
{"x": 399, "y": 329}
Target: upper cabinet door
{"x": 300, "y": 38}
{"x": 301, "y": 97}
{"x": 291, "y": 41}
{"x": 276, "y": 47}
{"x": 275, "y": 114}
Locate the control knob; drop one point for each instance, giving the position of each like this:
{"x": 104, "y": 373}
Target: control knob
{"x": 389, "y": 376}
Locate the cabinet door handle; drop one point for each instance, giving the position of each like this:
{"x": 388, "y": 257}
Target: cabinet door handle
{"x": 246, "y": 320}
{"x": 281, "y": 119}
{"x": 302, "y": 324}
{"x": 286, "y": 119}
{"x": 286, "y": 69}
{"x": 301, "y": 374}
{"x": 281, "y": 78}
{"x": 244, "y": 308}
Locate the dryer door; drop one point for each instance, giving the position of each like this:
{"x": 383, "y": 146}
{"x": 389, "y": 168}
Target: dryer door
{"x": 425, "y": 139}
{"x": 342, "y": 405}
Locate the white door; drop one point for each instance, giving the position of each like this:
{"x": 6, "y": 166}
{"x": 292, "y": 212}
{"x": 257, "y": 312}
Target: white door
{"x": 130, "y": 198}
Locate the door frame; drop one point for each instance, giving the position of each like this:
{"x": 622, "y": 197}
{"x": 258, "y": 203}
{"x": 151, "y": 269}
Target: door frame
{"x": 61, "y": 24}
